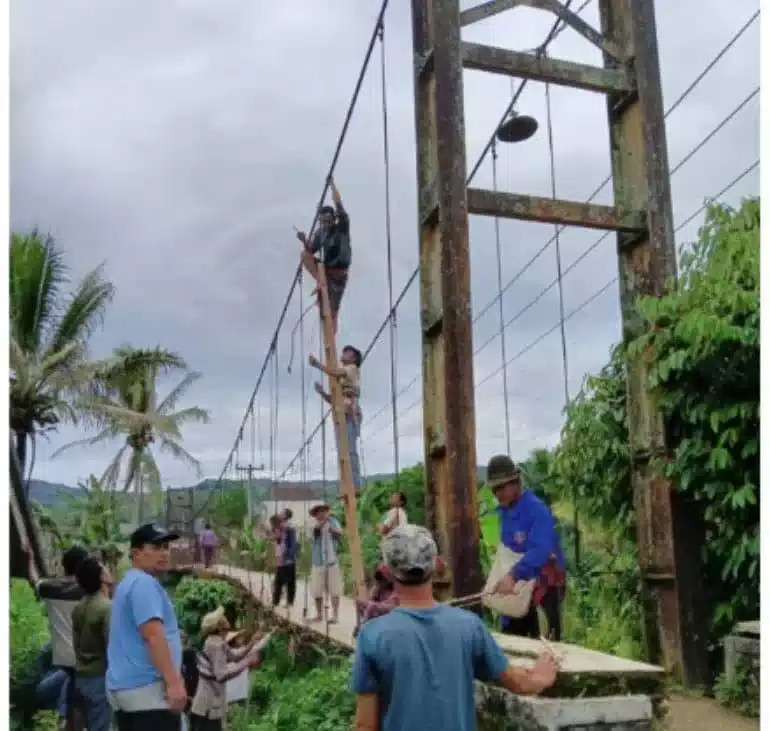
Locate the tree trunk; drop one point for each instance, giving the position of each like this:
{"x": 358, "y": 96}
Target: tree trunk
{"x": 21, "y": 455}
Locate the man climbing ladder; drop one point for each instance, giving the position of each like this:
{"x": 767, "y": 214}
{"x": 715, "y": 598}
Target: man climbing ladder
{"x": 331, "y": 243}
{"x": 349, "y": 375}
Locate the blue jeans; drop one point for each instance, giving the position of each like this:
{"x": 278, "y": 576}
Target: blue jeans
{"x": 52, "y": 692}
{"x": 92, "y": 693}
{"x": 354, "y": 429}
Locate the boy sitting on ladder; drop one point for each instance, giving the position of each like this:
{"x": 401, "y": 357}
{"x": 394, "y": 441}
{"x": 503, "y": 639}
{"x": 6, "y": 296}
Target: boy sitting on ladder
{"x": 350, "y": 379}
{"x": 331, "y": 244}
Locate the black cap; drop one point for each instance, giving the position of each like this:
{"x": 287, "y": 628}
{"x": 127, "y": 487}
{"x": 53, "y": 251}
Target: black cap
{"x": 151, "y": 533}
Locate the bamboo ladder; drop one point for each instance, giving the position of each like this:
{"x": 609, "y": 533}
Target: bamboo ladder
{"x": 347, "y": 488}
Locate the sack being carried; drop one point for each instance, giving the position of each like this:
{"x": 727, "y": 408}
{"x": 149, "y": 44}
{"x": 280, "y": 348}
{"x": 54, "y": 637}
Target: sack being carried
{"x": 509, "y": 605}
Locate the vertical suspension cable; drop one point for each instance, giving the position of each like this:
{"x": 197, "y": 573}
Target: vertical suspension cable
{"x": 562, "y": 324}
{"x": 323, "y": 426}
{"x": 503, "y": 354}
{"x": 393, "y": 331}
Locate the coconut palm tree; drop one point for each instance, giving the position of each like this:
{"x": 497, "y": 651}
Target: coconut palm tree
{"x": 124, "y": 404}
{"x": 49, "y": 332}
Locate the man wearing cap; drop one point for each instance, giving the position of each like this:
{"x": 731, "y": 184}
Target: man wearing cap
{"x": 325, "y": 575}
{"x": 218, "y": 662}
{"x": 144, "y": 652}
{"x": 414, "y": 667}
{"x": 60, "y": 596}
{"x": 527, "y": 527}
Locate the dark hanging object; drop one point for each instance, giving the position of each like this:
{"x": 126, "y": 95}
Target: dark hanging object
{"x": 517, "y": 128}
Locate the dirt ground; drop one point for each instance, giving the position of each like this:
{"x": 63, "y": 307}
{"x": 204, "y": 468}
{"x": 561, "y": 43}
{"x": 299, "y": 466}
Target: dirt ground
{"x": 704, "y": 714}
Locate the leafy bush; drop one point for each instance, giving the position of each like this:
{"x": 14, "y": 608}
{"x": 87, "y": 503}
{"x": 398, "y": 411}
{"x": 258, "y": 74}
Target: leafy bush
{"x": 740, "y": 691}
{"x": 300, "y": 690}
{"x": 194, "y": 598}
{"x": 28, "y": 630}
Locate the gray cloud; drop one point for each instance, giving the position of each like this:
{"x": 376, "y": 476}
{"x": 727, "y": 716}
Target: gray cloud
{"x": 179, "y": 144}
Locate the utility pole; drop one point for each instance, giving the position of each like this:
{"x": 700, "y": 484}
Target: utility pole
{"x": 250, "y": 469}
{"x": 630, "y": 79}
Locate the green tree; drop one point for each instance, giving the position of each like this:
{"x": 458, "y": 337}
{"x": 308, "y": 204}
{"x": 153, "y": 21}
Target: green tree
{"x": 49, "y": 332}
{"x": 702, "y": 343}
{"x": 124, "y": 403}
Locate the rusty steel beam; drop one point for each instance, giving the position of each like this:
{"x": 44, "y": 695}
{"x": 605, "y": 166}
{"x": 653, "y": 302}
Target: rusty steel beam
{"x": 669, "y": 530}
{"x": 493, "y": 7}
{"x": 551, "y": 210}
{"x": 479, "y": 57}
{"x": 447, "y": 347}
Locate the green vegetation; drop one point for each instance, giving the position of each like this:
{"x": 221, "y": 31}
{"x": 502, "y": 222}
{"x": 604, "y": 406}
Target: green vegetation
{"x": 193, "y": 599}
{"x": 49, "y": 332}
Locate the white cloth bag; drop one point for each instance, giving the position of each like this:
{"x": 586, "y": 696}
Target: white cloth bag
{"x": 509, "y": 605}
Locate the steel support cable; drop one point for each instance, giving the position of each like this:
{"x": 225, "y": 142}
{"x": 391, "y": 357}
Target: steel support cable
{"x": 503, "y": 357}
{"x": 330, "y": 173}
{"x": 389, "y": 248}
{"x": 692, "y": 86}
{"x": 562, "y": 321}
{"x": 602, "y": 290}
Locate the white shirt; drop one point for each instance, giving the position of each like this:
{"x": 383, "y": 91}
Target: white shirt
{"x": 394, "y": 517}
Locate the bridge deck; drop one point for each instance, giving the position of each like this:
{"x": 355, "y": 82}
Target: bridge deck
{"x": 521, "y": 650}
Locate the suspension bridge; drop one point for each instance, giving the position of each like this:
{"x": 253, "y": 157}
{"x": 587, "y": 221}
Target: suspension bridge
{"x": 640, "y": 221}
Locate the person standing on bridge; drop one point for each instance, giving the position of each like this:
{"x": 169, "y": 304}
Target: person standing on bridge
{"x": 396, "y": 515}
{"x": 529, "y": 528}
{"x": 325, "y": 575}
{"x": 209, "y": 545}
{"x": 414, "y": 667}
{"x": 331, "y": 244}
{"x": 286, "y": 559}
{"x": 349, "y": 374}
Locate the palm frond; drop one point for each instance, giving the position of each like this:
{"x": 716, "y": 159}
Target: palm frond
{"x": 178, "y": 392}
{"x": 103, "y": 436}
{"x": 180, "y": 453}
{"x": 36, "y": 275}
{"x": 192, "y": 415}
{"x": 109, "y": 478}
{"x": 84, "y": 311}
{"x": 134, "y": 465}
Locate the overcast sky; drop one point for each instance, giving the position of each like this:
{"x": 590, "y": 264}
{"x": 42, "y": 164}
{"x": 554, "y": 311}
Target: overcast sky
{"x": 179, "y": 142}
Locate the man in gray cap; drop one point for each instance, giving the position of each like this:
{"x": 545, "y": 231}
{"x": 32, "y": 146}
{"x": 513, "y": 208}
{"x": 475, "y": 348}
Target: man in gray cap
{"x": 414, "y": 667}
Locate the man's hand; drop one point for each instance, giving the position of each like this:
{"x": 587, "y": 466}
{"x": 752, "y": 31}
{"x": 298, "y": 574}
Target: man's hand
{"x": 335, "y": 193}
{"x": 506, "y": 585}
{"x": 302, "y": 237}
{"x": 543, "y": 673}
{"x": 177, "y": 695}
{"x": 314, "y": 362}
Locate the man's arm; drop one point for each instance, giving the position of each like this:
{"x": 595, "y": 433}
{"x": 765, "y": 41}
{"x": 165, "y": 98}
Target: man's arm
{"x": 155, "y": 638}
{"x": 343, "y": 220}
{"x": 334, "y": 528}
{"x": 331, "y": 372}
{"x": 367, "y": 713}
{"x": 147, "y": 607}
{"x": 531, "y": 681}
{"x": 320, "y": 391}
{"x": 542, "y": 539}
{"x": 364, "y": 684}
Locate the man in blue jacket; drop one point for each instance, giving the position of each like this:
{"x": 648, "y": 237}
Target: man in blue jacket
{"x": 527, "y": 526}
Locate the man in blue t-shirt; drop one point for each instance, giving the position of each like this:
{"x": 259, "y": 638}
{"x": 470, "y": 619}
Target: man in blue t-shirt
{"x": 144, "y": 651}
{"x": 414, "y": 667}
{"x": 528, "y": 527}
